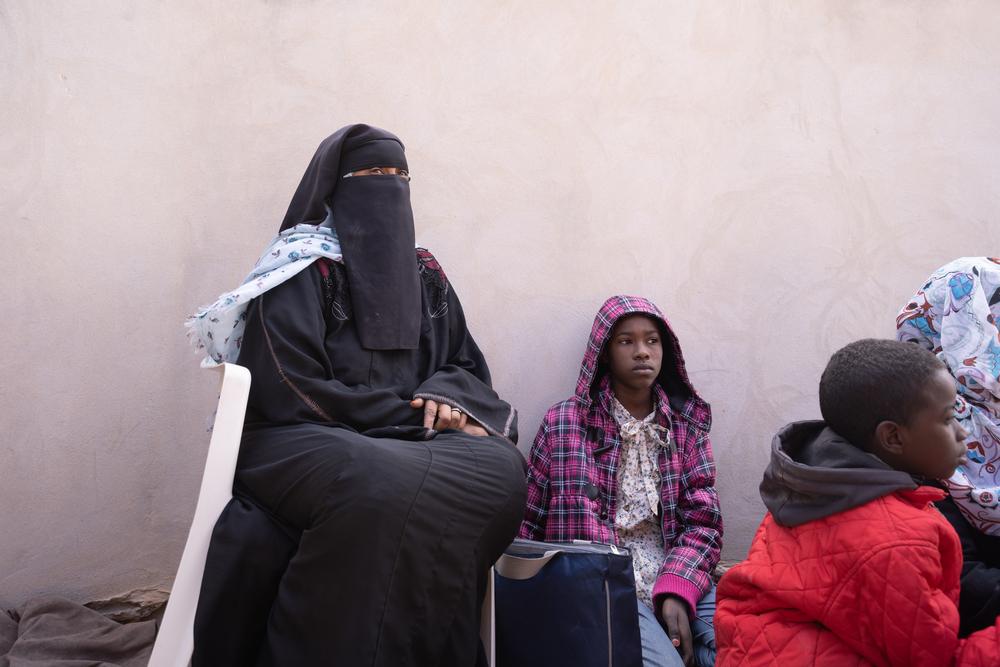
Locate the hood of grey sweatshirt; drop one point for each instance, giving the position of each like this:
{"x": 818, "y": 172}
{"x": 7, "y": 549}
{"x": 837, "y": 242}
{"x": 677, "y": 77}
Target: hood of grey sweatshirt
{"x": 814, "y": 472}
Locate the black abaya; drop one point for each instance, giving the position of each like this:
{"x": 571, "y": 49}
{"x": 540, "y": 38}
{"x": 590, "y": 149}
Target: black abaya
{"x": 381, "y": 531}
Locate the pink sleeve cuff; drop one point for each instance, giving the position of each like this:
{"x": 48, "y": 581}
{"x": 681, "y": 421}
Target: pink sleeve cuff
{"x": 671, "y": 584}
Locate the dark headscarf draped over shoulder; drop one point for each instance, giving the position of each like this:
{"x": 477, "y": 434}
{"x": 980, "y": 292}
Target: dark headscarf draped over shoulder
{"x": 374, "y": 222}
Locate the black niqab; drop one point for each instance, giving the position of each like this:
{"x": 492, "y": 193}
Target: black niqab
{"x": 374, "y": 222}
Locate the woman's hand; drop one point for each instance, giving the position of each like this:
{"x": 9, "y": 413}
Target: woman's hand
{"x": 473, "y": 428}
{"x": 441, "y": 416}
{"x": 674, "y": 613}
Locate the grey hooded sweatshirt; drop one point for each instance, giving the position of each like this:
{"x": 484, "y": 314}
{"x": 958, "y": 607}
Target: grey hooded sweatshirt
{"x": 814, "y": 473}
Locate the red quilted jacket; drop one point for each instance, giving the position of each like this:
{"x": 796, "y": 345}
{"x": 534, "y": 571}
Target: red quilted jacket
{"x": 851, "y": 566}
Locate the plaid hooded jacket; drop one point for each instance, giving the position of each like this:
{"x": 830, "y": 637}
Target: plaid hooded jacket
{"x": 572, "y": 471}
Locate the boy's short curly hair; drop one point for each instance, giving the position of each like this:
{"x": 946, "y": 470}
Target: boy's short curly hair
{"x": 871, "y": 381}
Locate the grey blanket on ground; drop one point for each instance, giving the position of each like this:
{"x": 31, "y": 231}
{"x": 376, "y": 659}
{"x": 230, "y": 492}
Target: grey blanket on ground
{"x": 52, "y": 631}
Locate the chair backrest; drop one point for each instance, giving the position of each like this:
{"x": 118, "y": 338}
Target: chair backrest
{"x": 175, "y": 640}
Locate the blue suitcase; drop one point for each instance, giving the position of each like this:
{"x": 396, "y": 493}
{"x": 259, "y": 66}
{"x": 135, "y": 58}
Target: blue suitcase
{"x": 566, "y": 604}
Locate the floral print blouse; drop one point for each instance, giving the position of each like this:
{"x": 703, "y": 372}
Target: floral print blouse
{"x": 637, "y": 514}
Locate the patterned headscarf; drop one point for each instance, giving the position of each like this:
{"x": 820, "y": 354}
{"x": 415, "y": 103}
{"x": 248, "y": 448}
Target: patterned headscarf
{"x": 218, "y": 329}
{"x": 955, "y": 316}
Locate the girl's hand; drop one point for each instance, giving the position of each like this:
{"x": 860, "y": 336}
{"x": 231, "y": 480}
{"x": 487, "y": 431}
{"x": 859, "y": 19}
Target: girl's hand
{"x": 674, "y": 613}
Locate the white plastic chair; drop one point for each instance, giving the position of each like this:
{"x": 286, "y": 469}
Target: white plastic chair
{"x": 488, "y": 626}
{"x": 175, "y": 640}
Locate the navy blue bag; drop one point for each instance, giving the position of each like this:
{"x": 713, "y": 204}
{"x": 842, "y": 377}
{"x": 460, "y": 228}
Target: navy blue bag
{"x": 566, "y": 604}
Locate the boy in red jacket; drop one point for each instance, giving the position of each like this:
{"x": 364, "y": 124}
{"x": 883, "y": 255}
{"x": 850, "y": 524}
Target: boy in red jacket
{"x": 852, "y": 565}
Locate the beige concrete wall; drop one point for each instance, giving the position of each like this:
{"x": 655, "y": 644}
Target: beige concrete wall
{"x": 778, "y": 176}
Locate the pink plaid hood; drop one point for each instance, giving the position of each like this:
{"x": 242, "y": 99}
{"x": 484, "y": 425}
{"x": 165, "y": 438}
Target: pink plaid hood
{"x": 673, "y": 376}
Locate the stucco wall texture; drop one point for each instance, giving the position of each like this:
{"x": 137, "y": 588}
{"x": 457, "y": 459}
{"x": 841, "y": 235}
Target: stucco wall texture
{"x": 778, "y": 176}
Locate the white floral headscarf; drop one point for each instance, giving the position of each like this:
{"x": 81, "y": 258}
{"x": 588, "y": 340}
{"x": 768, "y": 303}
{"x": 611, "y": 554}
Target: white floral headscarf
{"x": 955, "y": 316}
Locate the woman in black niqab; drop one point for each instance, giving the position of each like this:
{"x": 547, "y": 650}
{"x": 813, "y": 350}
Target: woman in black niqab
{"x": 359, "y": 534}
{"x": 374, "y": 222}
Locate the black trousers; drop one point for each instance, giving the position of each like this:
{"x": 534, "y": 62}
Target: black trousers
{"x": 349, "y": 550}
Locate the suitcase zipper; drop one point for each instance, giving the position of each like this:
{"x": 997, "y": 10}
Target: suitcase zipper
{"x": 607, "y": 602}
{"x": 521, "y": 547}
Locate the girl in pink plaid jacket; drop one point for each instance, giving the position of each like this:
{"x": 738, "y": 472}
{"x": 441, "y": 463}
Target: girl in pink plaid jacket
{"x": 627, "y": 460}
